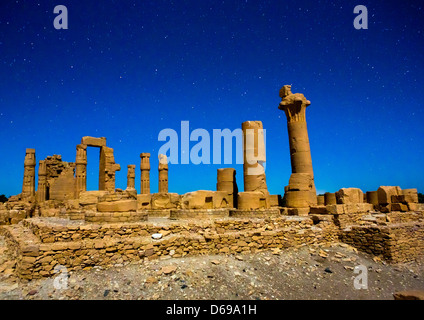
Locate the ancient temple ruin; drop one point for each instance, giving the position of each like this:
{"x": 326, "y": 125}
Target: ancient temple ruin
{"x": 60, "y": 222}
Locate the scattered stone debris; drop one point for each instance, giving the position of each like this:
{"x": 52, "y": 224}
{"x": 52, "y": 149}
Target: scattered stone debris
{"x": 294, "y": 274}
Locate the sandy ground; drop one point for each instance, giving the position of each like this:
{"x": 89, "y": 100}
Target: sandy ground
{"x": 303, "y": 273}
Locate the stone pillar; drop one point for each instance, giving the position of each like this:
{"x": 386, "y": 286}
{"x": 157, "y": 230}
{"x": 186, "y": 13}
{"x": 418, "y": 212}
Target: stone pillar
{"x": 301, "y": 189}
{"x": 28, "y": 186}
{"x": 226, "y": 181}
{"x": 145, "y": 173}
{"x": 320, "y": 200}
{"x": 330, "y": 198}
{"x": 107, "y": 169}
{"x": 163, "y": 173}
{"x": 81, "y": 169}
{"x": 131, "y": 176}
{"x": 254, "y": 157}
{"x": 42, "y": 181}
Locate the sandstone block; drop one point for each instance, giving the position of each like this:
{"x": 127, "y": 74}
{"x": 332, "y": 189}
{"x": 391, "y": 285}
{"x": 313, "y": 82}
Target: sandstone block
{"x": 117, "y": 206}
{"x": 349, "y": 195}
{"x": 318, "y": 210}
{"x": 274, "y": 200}
{"x": 300, "y": 199}
{"x": 301, "y": 182}
{"x": 90, "y": 197}
{"x": 385, "y": 194}
{"x": 143, "y": 201}
{"x": 399, "y": 207}
{"x": 94, "y": 142}
{"x": 405, "y": 198}
{"x": 321, "y": 200}
{"x": 204, "y": 199}
{"x": 298, "y": 211}
{"x": 251, "y": 200}
{"x": 165, "y": 200}
{"x": 330, "y": 198}
{"x": 416, "y": 206}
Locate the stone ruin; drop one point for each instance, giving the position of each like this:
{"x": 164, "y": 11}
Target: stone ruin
{"x": 61, "y": 223}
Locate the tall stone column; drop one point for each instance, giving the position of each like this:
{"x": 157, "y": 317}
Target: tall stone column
{"x": 145, "y": 173}
{"x": 301, "y": 189}
{"x": 163, "y": 173}
{"x": 81, "y": 169}
{"x": 131, "y": 176}
{"x": 42, "y": 181}
{"x": 254, "y": 157}
{"x": 28, "y": 186}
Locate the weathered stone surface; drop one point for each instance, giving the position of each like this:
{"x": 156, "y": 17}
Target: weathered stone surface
{"x": 165, "y": 200}
{"x": 107, "y": 169}
{"x": 416, "y": 207}
{"x": 28, "y": 186}
{"x": 318, "y": 210}
{"x": 302, "y": 178}
{"x": 254, "y": 157}
{"x": 145, "y": 173}
{"x": 349, "y": 195}
{"x": 300, "y": 199}
{"x": 90, "y": 197}
{"x": 385, "y": 194}
{"x": 372, "y": 197}
{"x": 274, "y": 200}
{"x": 330, "y": 198}
{"x": 349, "y": 208}
{"x": 117, "y": 206}
{"x": 94, "y": 142}
{"x": 399, "y": 207}
{"x": 63, "y": 187}
{"x": 226, "y": 181}
{"x": 143, "y": 201}
{"x": 252, "y": 201}
{"x": 163, "y": 174}
{"x": 204, "y": 199}
{"x": 131, "y": 177}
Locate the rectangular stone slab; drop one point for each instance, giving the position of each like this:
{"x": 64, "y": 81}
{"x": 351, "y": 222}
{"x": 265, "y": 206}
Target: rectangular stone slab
{"x": 94, "y": 142}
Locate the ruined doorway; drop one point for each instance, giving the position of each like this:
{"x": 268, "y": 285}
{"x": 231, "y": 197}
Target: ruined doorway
{"x": 93, "y": 164}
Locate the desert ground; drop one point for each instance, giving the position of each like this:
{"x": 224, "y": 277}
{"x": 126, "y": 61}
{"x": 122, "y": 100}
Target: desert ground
{"x": 307, "y": 272}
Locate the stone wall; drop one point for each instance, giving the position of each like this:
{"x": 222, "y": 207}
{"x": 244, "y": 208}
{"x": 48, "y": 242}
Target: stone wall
{"x": 395, "y": 243}
{"x": 40, "y": 245}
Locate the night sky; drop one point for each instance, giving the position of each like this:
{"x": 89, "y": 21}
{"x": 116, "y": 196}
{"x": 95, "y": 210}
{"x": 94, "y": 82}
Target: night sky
{"x": 126, "y": 70}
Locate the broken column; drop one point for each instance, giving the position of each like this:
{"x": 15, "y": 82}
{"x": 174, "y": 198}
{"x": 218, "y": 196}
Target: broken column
{"x": 42, "y": 181}
{"x": 28, "y": 187}
{"x": 254, "y": 157}
{"x": 131, "y": 176}
{"x": 226, "y": 181}
{"x": 330, "y": 198}
{"x": 81, "y": 169}
{"x": 145, "y": 173}
{"x": 301, "y": 191}
{"x": 107, "y": 169}
{"x": 163, "y": 173}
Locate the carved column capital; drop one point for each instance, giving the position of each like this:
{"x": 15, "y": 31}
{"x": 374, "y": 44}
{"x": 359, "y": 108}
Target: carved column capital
{"x": 293, "y": 104}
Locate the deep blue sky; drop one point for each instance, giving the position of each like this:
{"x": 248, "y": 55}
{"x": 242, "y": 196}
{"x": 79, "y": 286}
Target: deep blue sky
{"x": 128, "y": 69}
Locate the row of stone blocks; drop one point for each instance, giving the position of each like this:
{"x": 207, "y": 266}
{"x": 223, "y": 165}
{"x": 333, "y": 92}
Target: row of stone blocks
{"x": 385, "y": 199}
{"x": 37, "y": 259}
